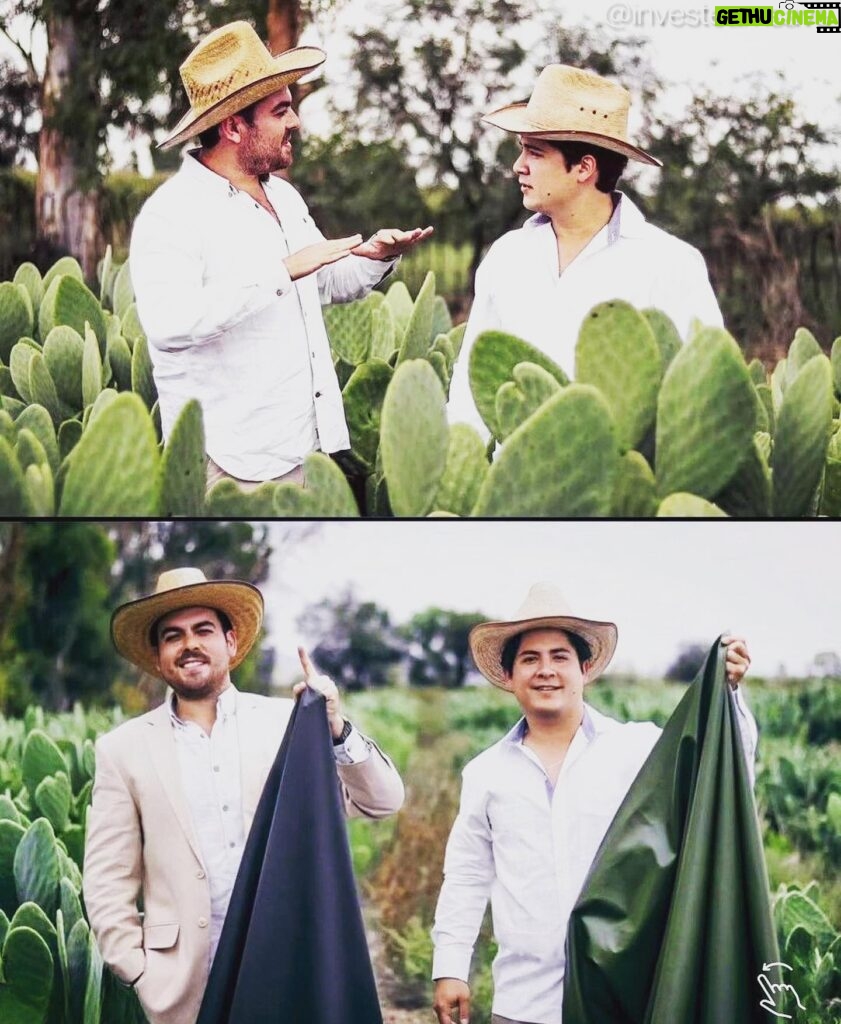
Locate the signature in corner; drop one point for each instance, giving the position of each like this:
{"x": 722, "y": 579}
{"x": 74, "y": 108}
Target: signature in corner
{"x": 773, "y": 992}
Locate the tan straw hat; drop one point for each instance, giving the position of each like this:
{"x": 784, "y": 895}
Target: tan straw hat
{"x": 572, "y": 105}
{"x": 131, "y": 624}
{"x": 543, "y": 608}
{"x": 230, "y": 70}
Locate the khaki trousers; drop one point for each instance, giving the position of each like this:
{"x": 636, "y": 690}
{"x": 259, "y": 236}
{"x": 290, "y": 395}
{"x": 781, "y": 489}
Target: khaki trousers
{"x": 216, "y": 473}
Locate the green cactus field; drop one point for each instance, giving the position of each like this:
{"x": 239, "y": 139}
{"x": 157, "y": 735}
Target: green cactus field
{"x": 650, "y": 427}
{"x": 52, "y": 972}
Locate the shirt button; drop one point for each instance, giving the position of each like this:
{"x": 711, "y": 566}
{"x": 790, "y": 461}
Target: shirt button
{"x": 279, "y": 291}
{"x": 202, "y": 922}
{"x": 232, "y": 845}
{"x": 318, "y": 394}
{"x": 216, "y": 767}
{"x": 199, "y": 874}
{"x": 224, "y": 807}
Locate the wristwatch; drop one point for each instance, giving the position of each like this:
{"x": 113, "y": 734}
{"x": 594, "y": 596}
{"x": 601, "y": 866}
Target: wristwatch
{"x": 343, "y": 735}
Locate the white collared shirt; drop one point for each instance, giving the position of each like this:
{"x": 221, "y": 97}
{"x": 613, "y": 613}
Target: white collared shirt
{"x": 211, "y": 780}
{"x": 519, "y": 290}
{"x": 528, "y": 847}
{"x": 226, "y": 324}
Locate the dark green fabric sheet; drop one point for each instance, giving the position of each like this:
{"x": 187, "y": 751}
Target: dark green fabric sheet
{"x": 673, "y": 925}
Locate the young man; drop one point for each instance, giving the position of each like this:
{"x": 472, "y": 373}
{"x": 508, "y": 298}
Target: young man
{"x": 536, "y": 805}
{"x": 586, "y": 242}
{"x": 176, "y": 789}
{"x": 230, "y": 271}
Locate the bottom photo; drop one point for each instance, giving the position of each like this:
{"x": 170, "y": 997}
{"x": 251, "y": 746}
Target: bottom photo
{"x": 511, "y": 772}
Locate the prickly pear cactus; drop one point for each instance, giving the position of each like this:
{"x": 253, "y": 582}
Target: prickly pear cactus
{"x": 414, "y": 437}
{"x": 419, "y": 330}
{"x": 635, "y": 490}
{"x": 114, "y": 470}
{"x": 561, "y": 462}
{"x": 27, "y": 977}
{"x": 363, "y": 397}
{"x": 70, "y": 302}
{"x": 518, "y": 398}
{"x": 666, "y": 335}
{"x": 801, "y": 438}
{"x": 183, "y": 464}
{"x": 16, "y": 316}
{"x": 493, "y": 357}
{"x": 617, "y": 352}
{"x": 681, "y": 505}
{"x": 63, "y": 353}
{"x": 706, "y": 416}
{"x": 464, "y": 472}
{"x": 350, "y": 328}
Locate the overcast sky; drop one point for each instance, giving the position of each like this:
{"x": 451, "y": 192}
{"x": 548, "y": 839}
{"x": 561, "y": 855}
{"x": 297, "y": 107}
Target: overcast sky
{"x": 683, "y": 51}
{"x": 661, "y": 582}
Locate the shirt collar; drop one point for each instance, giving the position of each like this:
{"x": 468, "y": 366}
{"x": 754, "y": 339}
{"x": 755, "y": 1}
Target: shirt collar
{"x": 195, "y": 170}
{"x": 593, "y": 724}
{"x": 626, "y": 221}
{"x": 226, "y": 705}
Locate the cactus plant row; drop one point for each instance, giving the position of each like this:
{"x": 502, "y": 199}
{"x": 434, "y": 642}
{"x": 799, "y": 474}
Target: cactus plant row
{"x": 51, "y": 971}
{"x": 649, "y": 427}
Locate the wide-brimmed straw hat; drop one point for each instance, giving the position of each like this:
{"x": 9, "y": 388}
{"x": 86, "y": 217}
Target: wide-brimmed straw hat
{"x": 543, "y": 608}
{"x": 572, "y": 105}
{"x": 231, "y": 69}
{"x": 131, "y": 623}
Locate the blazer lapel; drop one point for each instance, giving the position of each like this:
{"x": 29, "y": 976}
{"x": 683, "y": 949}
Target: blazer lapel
{"x": 164, "y": 757}
{"x": 253, "y": 760}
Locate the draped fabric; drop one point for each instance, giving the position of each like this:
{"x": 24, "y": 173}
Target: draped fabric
{"x": 293, "y": 947}
{"x": 673, "y": 925}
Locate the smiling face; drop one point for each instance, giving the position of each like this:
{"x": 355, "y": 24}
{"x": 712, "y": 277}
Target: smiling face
{"x": 194, "y": 652}
{"x": 546, "y": 677}
{"x": 265, "y": 144}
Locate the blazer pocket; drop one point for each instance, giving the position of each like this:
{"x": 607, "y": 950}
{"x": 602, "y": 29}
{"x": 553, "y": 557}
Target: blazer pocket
{"x": 160, "y": 936}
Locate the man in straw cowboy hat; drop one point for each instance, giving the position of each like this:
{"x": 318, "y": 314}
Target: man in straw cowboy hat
{"x": 536, "y": 805}
{"x": 230, "y": 271}
{"x": 176, "y": 789}
{"x": 586, "y": 242}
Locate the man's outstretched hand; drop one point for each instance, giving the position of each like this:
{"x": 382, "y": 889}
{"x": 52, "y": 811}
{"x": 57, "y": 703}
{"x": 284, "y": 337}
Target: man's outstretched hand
{"x": 326, "y": 687}
{"x": 390, "y": 242}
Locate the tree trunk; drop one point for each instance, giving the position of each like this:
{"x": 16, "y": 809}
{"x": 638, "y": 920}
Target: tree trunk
{"x": 66, "y": 214}
{"x": 284, "y": 24}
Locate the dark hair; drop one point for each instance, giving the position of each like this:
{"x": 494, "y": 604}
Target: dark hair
{"x": 224, "y": 622}
{"x": 610, "y": 165}
{"x": 512, "y": 646}
{"x": 211, "y": 136}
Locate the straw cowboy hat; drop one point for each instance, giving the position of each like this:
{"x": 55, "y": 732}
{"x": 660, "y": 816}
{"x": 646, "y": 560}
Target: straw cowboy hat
{"x": 131, "y": 624}
{"x": 543, "y": 608}
{"x": 230, "y": 70}
{"x": 572, "y": 105}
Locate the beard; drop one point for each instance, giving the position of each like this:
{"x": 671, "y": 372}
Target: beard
{"x": 190, "y": 693}
{"x": 259, "y": 158}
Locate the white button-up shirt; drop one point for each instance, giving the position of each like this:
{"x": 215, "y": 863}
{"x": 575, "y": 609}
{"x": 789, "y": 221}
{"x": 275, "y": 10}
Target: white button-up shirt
{"x": 520, "y": 291}
{"x": 226, "y": 324}
{"x": 529, "y": 847}
{"x": 210, "y": 776}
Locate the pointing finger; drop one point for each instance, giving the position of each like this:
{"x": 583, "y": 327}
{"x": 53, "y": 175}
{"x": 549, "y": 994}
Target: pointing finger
{"x": 306, "y": 664}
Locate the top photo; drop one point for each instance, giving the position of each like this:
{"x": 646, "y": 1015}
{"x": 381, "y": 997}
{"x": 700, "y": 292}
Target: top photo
{"x": 420, "y": 258}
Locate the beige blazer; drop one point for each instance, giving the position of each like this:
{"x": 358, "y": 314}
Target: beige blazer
{"x": 145, "y": 887}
